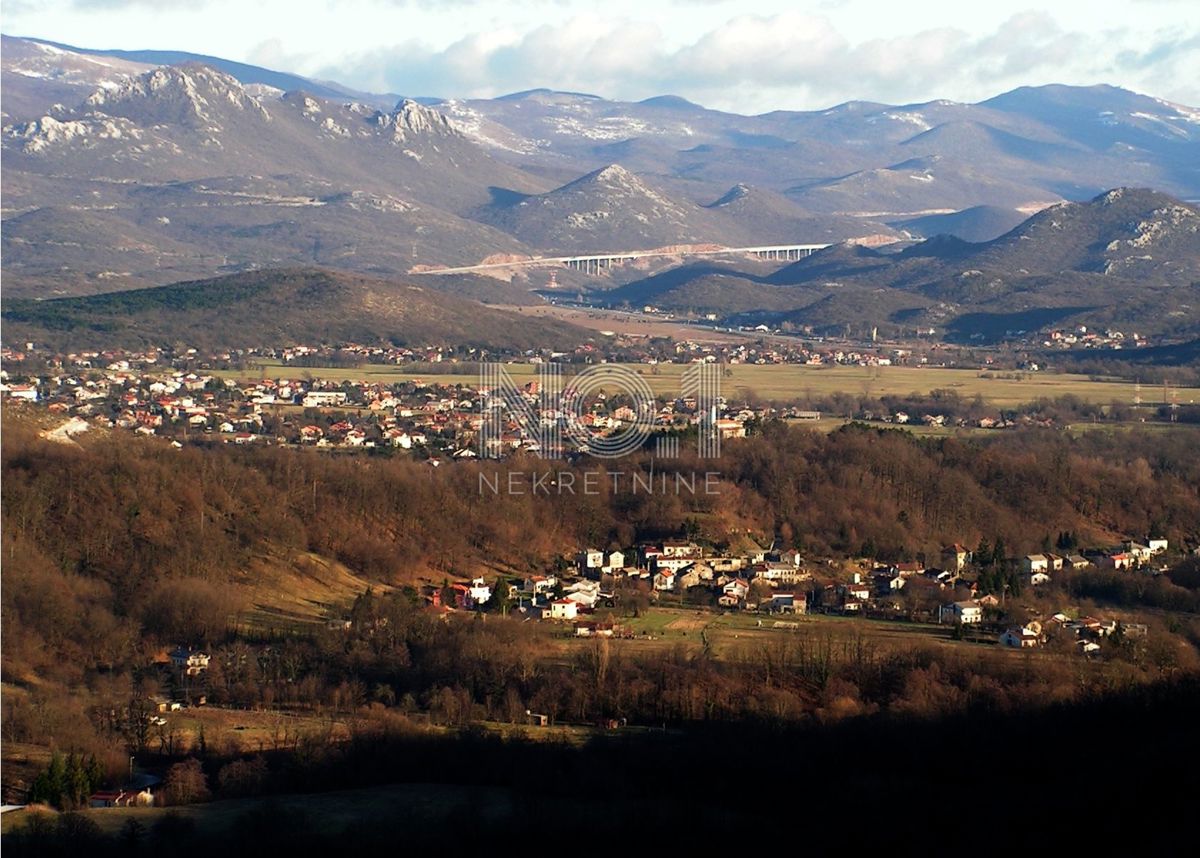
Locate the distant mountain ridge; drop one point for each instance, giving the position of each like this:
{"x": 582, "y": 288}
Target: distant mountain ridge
{"x": 1129, "y": 257}
{"x": 119, "y": 173}
{"x": 243, "y": 72}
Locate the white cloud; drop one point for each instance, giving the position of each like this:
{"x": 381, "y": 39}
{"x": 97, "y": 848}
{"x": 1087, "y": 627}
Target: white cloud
{"x": 751, "y": 55}
{"x": 792, "y": 60}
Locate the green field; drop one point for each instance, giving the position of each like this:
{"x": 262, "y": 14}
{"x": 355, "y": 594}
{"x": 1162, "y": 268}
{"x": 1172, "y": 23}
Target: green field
{"x": 736, "y": 634}
{"x": 790, "y": 382}
{"x": 727, "y": 632}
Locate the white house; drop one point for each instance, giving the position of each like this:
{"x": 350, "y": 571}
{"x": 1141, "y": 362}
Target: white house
{"x": 190, "y": 661}
{"x": 583, "y": 600}
{"x": 664, "y": 579}
{"x": 1141, "y": 553}
{"x": 786, "y": 603}
{"x": 737, "y": 588}
{"x": 961, "y": 612}
{"x": 27, "y": 392}
{"x": 583, "y": 593}
{"x": 790, "y": 556}
{"x": 616, "y": 560}
{"x": 1156, "y": 546}
{"x": 1035, "y": 563}
{"x": 592, "y": 588}
{"x": 1020, "y": 637}
{"x": 536, "y": 584}
{"x": 591, "y": 559}
{"x": 857, "y": 590}
{"x": 479, "y": 591}
{"x": 1036, "y": 579}
{"x": 681, "y": 549}
{"x": 665, "y": 563}
{"x": 779, "y": 572}
{"x": 564, "y": 609}
{"x": 323, "y": 398}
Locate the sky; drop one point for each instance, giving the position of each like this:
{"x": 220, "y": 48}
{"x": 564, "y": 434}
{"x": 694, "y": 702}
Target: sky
{"x": 749, "y": 56}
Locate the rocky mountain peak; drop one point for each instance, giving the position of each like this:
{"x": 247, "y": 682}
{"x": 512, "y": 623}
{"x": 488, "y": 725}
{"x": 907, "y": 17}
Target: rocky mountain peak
{"x": 409, "y": 120}
{"x": 191, "y": 95}
{"x": 740, "y": 191}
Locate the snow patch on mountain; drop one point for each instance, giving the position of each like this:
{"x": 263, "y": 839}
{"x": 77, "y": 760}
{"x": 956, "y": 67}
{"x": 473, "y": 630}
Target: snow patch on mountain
{"x": 472, "y": 124}
{"x": 1163, "y": 124}
{"x": 905, "y": 117}
{"x": 364, "y": 201}
{"x": 610, "y": 127}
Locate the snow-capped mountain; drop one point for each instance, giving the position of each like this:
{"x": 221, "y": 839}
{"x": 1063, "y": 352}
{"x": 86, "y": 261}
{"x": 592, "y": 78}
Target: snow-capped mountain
{"x": 182, "y": 171}
{"x": 120, "y": 171}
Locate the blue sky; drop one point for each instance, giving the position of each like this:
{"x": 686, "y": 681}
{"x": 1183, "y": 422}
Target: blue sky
{"x": 749, "y": 56}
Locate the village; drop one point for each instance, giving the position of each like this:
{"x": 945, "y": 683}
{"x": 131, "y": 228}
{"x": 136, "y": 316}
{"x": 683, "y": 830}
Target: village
{"x": 191, "y": 399}
{"x": 596, "y": 594}
{"x": 586, "y": 596}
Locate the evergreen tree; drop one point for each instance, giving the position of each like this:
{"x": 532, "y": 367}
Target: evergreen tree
{"x": 75, "y": 787}
{"x": 987, "y": 581}
{"x": 998, "y": 553}
{"x": 983, "y": 554}
{"x": 40, "y": 792}
{"x": 500, "y": 601}
{"x": 95, "y": 773}
{"x": 56, "y": 779}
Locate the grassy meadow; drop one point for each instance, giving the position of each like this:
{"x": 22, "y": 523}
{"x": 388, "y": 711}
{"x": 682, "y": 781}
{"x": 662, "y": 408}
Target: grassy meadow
{"x": 787, "y": 382}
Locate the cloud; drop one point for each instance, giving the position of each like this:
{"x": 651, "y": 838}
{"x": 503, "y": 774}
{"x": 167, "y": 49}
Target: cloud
{"x": 786, "y": 54}
{"x": 792, "y": 59}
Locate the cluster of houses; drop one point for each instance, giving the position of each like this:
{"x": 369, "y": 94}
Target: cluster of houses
{"x": 781, "y": 581}
{"x": 1038, "y": 568}
{"x": 757, "y": 579}
{"x": 775, "y": 581}
{"x": 1082, "y": 337}
{"x": 678, "y": 566}
{"x": 159, "y": 392}
{"x": 436, "y": 421}
{"x": 1085, "y": 632}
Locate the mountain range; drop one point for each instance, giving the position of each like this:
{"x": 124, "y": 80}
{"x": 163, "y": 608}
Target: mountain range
{"x": 125, "y": 170}
{"x": 1128, "y": 257}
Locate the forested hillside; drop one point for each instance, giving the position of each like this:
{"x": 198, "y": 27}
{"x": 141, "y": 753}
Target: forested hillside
{"x": 123, "y": 544}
